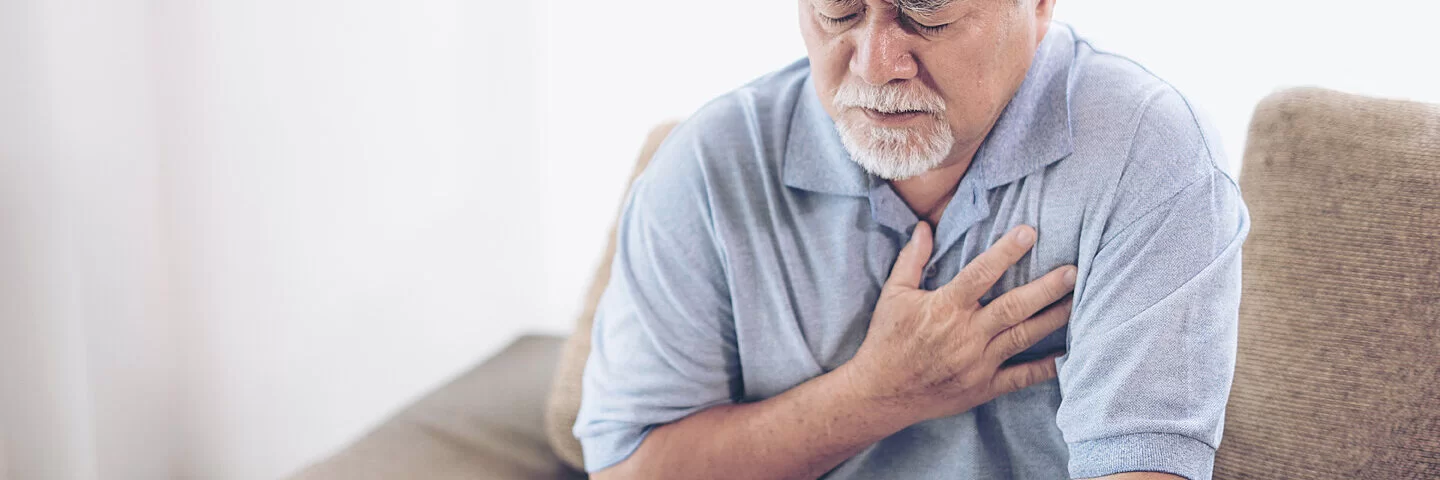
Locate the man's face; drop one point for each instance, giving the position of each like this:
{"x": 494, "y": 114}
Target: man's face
{"x": 916, "y": 84}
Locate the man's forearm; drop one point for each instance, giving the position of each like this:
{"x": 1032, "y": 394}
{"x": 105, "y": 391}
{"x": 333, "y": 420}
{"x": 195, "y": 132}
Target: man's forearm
{"x": 801, "y": 433}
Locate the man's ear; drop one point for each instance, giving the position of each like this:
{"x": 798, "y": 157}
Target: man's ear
{"x": 1044, "y": 10}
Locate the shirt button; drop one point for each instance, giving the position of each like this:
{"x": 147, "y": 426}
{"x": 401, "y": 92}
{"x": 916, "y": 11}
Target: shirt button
{"x": 930, "y": 272}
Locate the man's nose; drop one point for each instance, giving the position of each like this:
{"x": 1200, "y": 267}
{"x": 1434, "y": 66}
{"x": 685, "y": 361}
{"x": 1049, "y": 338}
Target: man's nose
{"x": 883, "y": 53}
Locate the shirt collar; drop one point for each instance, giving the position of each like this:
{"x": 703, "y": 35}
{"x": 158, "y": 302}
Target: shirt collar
{"x": 815, "y": 159}
{"x": 1034, "y": 129}
{"x": 1031, "y": 133}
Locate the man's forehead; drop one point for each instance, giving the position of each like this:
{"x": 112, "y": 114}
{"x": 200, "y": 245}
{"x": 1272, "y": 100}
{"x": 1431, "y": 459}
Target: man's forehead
{"x": 918, "y": 6}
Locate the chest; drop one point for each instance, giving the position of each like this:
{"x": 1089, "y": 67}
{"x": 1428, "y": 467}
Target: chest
{"x": 805, "y": 280}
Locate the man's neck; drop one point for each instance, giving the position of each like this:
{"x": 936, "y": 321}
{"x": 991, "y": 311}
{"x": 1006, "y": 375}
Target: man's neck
{"x": 927, "y": 194}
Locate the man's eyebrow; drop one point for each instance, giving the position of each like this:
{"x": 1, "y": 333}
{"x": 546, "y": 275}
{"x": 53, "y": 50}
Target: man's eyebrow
{"x": 923, "y": 7}
{"x": 840, "y": 3}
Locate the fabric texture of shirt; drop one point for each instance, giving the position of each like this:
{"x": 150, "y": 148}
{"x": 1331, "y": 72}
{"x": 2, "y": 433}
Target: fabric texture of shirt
{"x": 752, "y": 251}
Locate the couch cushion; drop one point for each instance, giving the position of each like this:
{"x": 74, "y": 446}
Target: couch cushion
{"x": 1339, "y": 351}
{"x": 486, "y": 424}
{"x": 564, "y": 403}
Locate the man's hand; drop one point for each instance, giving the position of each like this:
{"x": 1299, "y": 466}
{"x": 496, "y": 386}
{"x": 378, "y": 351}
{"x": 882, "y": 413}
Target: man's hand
{"x": 931, "y": 354}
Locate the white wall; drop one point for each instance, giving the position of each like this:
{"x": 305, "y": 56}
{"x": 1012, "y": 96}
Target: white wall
{"x": 236, "y": 233}
{"x": 613, "y": 71}
{"x": 359, "y": 207}
{"x": 1226, "y": 55}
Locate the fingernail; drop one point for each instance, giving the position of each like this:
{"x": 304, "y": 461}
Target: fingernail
{"x": 1023, "y": 236}
{"x": 1070, "y": 276}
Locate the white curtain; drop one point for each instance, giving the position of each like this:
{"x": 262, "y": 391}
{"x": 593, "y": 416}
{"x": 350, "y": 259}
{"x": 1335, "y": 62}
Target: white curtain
{"x": 86, "y": 353}
{"x": 234, "y": 235}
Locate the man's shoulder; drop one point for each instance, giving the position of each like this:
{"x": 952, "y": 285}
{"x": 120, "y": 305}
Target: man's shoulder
{"x": 1139, "y": 129}
{"x": 1115, "y": 98}
{"x": 770, "y": 97}
{"x": 757, "y": 113}
{"x": 735, "y": 141}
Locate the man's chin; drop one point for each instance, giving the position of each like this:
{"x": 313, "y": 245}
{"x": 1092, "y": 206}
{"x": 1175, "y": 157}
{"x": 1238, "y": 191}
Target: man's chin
{"x": 894, "y": 167}
{"x": 904, "y": 154}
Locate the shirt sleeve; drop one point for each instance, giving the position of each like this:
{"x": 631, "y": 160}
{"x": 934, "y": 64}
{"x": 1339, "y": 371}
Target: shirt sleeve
{"x": 663, "y": 344}
{"x": 1152, "y": 337}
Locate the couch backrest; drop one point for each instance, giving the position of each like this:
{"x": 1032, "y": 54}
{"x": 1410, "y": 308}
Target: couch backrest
{"x": 1338, "y": 371}
{"x": 564, "y": 401}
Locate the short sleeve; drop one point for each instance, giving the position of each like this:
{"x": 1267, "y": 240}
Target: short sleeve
{"x": 663, "y": 344}
{"x": 1152, "y": 337}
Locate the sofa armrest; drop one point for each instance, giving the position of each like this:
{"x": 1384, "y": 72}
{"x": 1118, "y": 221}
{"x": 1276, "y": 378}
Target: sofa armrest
{"x": 488, "y": 423}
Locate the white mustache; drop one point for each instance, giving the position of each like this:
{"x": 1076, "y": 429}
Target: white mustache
{"x": 889, "y": 98}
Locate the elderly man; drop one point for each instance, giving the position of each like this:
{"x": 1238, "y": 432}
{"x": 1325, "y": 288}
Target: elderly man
{"x": 875, "y": 263}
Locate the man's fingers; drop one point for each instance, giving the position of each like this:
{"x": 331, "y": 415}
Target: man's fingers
{"x": 981, "y": 273}
{"x": 1015, "y": 377}
{"x": 1020, "y": 303}
{"x": 1016, "y": 339}
{"x": 912, "y": 259}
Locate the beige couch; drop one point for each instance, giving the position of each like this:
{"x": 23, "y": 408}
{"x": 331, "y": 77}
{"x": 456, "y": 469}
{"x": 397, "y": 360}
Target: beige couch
{"x": 1338, "y": 372}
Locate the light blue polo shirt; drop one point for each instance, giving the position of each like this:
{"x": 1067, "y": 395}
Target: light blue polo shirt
{"x": 752, "y": 250}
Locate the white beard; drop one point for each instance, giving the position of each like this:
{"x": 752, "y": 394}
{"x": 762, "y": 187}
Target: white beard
{"x": 895, "y": 153}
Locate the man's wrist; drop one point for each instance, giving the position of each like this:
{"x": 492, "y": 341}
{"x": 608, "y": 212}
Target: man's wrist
{"x": 883, "y": 414}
